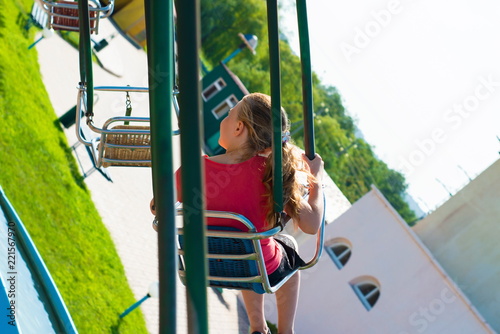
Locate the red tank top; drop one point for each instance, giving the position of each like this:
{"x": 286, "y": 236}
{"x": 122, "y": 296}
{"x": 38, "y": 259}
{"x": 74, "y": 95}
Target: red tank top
{"x": 238, "y": 188}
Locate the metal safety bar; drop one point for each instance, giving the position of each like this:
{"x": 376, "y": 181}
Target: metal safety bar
{"x": 122, "y": 89}
{"x": 160, "y": 41}
{"x": 319, "y": 240}
{"x": 307, "y": 85}
{"x": 275, "y": 83}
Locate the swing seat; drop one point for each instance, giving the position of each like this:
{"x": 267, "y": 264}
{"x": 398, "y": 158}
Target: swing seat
{"x": 122, "y": 144}
{"x": 125, "y": 145}
{"x": 64, "y": 14}
{"x": 235, "y": 259}
{"x": 234, "y": 268}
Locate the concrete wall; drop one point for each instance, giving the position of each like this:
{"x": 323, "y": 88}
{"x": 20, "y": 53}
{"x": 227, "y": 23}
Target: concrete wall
{"x": 416, "y": 295}
{"x": 464, "y": 236}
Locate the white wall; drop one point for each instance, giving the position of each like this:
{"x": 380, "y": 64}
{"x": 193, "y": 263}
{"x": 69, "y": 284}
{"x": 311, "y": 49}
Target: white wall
{"x": 463, "y": 234}
{"x": 416, "y": 296}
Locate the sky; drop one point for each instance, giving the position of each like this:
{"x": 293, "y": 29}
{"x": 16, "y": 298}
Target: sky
{"x": 420, "y": 78}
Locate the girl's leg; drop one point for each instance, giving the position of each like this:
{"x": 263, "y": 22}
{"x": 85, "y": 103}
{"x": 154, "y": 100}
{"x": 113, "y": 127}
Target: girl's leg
{"x": 286, "y": 300}
{"x": 254, "y": 304}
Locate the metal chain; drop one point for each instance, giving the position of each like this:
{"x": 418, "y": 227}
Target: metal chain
{"x": 128, "y": 105}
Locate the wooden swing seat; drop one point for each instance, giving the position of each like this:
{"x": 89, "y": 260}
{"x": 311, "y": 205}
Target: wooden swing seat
{"x": 126, "y": 145}
{"x": 123, "y": 144}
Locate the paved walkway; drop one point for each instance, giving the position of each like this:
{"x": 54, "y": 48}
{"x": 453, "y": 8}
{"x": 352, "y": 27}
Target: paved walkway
{"x": 124, "y": 203}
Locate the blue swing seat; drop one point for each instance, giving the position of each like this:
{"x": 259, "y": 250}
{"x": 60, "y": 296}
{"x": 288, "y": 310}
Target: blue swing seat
{"x": 235, "y": 259}
{"x": 233, "y": 263}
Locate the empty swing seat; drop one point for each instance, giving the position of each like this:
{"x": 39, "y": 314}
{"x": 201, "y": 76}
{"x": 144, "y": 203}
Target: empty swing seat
{"x": 128, "y": 148}
{"x": 64, "y": 14}
{"x": 125, "y": 145}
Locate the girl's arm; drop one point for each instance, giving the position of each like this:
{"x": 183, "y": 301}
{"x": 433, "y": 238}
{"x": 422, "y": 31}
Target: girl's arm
{"x": 311, "y": 210}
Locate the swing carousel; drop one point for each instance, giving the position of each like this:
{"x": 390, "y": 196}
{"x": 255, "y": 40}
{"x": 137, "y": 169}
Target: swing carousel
{"x": 214, "y": 257}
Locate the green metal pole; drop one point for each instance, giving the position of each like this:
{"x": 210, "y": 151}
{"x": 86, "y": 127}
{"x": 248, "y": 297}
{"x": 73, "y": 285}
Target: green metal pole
{"x": 275, "y": 73}
{"x": 84, "y": 46}
{"x": 159, "y": 17}
{"x": 307, "y": 86}
{"x": 191, "y": 123}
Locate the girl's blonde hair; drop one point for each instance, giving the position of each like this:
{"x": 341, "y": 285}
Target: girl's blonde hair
{"x": 255, "y": 113}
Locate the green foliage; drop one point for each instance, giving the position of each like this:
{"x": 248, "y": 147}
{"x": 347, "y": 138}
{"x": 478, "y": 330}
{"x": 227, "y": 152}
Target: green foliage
{"x": 350, "y": 161}
{"x": 272, "y": 327}
{"x": 42, "y": 180}
{"x": 223, "y": 20}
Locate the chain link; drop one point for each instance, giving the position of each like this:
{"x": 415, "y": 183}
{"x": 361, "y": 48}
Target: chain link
{"x": 128, "y": 105}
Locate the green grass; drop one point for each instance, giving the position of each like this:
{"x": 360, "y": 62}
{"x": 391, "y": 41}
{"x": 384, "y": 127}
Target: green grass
{"x": 40, "y": 176}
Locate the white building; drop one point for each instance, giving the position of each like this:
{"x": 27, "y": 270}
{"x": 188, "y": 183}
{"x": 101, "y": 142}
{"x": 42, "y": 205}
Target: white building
{"x": 377, "y": 277}
{"x": 464, "y": 236}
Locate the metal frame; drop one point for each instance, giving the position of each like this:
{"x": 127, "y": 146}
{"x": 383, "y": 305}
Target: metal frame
{"x": 92, "y": 153}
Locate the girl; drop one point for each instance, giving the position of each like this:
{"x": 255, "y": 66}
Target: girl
{"x": 240, "y": 181}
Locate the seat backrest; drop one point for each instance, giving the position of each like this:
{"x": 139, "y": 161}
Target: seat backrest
{"x": 233, "y": 263}
{"x": 235, "y": 258}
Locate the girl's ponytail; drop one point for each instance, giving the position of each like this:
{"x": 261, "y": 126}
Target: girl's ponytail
{"x": 255, "y": 113}
{"x": 293, "y": 186}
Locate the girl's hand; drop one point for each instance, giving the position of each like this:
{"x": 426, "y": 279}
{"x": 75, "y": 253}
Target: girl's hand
{"x": 152, "y": 207}
{"x": 316, "y": 166}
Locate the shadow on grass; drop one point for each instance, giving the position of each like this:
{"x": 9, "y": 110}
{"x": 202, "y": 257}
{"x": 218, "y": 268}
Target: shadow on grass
{"x": 75, "y": 171}
{"x": 115, "y": 329}
{"x": 24, "y": 22}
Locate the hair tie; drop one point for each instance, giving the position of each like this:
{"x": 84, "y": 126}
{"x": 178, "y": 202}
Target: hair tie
{"x": 285, "y": 137}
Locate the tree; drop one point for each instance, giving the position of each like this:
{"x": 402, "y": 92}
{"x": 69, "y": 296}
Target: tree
{"x": 221, "y": 21}
{"x": 349, "y": 160}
